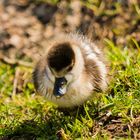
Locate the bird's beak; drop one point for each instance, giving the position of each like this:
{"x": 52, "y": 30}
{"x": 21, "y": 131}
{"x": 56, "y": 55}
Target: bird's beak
{"x": 60, "y": 87}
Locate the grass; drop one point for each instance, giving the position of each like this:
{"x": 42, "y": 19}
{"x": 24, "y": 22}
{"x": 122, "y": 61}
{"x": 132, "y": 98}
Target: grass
{"x": 115, "y": 114}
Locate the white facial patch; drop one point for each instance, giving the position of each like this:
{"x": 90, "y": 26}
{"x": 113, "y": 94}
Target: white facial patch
{"x": 69, "y": 77}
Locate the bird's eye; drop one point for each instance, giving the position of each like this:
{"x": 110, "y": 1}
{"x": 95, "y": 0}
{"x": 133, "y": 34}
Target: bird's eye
{"x": 69, "y": 68}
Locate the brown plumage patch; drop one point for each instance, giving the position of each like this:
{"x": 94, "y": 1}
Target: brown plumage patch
{"x": 61, "y": 56}
{"x": 93, "y": 71}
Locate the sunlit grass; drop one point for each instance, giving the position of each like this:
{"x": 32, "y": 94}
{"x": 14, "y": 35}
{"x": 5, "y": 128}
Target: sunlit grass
{"x": 26, "y": 115}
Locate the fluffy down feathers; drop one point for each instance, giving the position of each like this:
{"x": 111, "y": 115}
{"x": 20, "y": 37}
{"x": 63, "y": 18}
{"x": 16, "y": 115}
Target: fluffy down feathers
{"x": 77, "y": 59}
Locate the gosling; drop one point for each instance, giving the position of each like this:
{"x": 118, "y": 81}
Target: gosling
{"x": 71, "y": 71}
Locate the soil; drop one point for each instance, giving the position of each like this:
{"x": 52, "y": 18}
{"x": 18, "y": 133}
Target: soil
{"x": 25, "y": 25}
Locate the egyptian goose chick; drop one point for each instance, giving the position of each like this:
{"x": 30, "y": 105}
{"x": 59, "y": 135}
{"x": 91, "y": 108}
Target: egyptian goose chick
{"x": 71, "y": 71}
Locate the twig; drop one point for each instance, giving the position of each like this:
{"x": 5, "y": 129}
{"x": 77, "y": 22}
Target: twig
{"x": 12, "y": 61}
{"x": 15, "y": 82}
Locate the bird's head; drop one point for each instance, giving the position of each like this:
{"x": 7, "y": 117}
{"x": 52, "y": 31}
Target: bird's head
{"x": 61, "y": 60}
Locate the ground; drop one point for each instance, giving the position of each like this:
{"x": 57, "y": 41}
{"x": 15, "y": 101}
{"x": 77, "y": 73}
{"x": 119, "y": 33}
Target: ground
{"x": 26, "y": 26}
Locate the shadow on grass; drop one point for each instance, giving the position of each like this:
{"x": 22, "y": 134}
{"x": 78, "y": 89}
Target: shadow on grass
{"x": 31, "y": 130}
{"x": 46, "y": 127}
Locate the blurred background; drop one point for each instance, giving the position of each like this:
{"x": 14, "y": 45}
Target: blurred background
{"x": 25, "y": 24}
